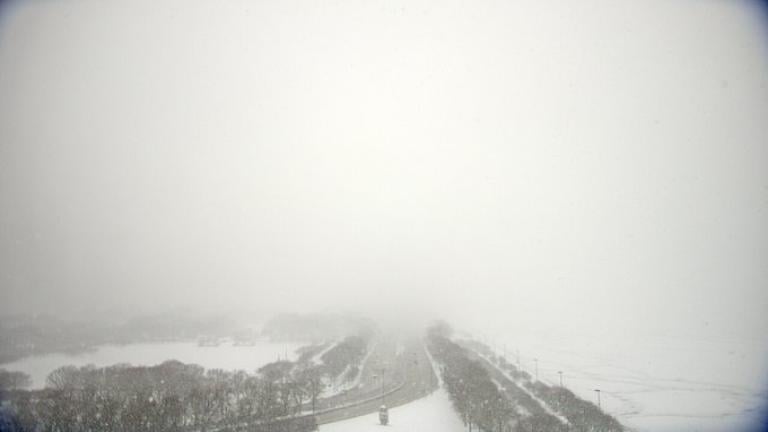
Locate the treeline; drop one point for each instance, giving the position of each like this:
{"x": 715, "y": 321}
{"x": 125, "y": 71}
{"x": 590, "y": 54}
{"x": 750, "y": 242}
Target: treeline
{"x": 489, "y": 401}
{"x": 475, "y": 396}
{"x": 175, "y": 397}
{"x": 307, "y": 352}
{"x": 13, "y": 380}
{"x": 346, "y": 356}
{"x": 170, "y": 397}
{"x": 582, "y": 416}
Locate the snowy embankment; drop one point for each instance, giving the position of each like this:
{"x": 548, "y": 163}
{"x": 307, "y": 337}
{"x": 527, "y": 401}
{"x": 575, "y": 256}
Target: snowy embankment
{"x": 431, "y": 413}
{"x": 435, "y": 367}
{"x": 342, "y": 382}
{"x": 317, "y": 359}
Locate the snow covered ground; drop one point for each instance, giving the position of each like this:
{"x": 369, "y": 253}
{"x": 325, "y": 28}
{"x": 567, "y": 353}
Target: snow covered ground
{"x": 653, "y": 383}
{"x": 343, "y": 382}
{"x": 317, "y": 359}
{"x": 225, "y": 356}
{"x": 432, "y": 413}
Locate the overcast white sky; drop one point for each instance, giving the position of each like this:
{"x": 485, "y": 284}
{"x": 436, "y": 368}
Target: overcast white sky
{"x": 602, "y": 162}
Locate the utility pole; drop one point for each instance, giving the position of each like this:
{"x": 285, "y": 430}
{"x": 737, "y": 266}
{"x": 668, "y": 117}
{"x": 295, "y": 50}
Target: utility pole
{"x": 431, "y": 378}
{"x": 382, "y": 385}
{"x": 561, "y": 377}
{"x": 598, "y": 398}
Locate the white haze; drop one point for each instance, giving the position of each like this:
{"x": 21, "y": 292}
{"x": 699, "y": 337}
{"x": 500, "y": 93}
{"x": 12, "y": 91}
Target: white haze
{"x": 559, "y": 166}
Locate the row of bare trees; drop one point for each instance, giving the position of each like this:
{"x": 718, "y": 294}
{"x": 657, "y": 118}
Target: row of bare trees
{"x": 13, "y": 380}
{"x": 582, "y": 415}
{"x": 475, "y": 397}
{"x": 484, "y": 399}
{"x": 172, "y": 396}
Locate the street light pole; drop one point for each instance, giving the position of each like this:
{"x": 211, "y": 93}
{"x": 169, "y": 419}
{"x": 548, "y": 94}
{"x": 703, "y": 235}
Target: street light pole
{"x": 561, "y": 377}
{"x": 382, "y": 385}
{"x": 598, "y": 398}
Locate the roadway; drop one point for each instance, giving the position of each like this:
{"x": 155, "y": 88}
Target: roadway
{"x": 408, "y": 376}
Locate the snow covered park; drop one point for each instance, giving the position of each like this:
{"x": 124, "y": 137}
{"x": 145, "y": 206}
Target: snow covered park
{"x": 432, "y": 413}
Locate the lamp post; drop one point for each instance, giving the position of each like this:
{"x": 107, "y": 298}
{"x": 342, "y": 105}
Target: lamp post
{"x": 598, "y": 398}
{"x": 561, "y": 377}
{"x": 382, "y": 385}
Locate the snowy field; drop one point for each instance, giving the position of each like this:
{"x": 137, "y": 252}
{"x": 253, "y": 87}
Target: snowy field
{"x": 225, "y": 356}
{"x": 432, "y": 413}
{"x": 654, "y": 383}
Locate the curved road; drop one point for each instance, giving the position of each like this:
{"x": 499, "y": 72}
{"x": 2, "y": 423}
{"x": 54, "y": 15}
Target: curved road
{"x": 410, "y": 368}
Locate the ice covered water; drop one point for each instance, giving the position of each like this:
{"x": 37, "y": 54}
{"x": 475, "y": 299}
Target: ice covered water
{"x": 653, "y": 383}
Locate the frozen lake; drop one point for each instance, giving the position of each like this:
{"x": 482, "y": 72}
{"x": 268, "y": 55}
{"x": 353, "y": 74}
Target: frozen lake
{"x": 225, "y": 356}
{"x": 653, "y": 383}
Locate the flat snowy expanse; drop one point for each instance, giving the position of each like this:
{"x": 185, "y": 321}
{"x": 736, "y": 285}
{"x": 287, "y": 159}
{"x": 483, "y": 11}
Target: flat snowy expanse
{"x": 654, "y": 383}
{"x": 432, "y": 413}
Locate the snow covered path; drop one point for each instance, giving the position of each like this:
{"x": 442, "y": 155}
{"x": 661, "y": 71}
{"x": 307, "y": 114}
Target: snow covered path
{"x": 430, "y": 413}
{"x": 522, "y": 387}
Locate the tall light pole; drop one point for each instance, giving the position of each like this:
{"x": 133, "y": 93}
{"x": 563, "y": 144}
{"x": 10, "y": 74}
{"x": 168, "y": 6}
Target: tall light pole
{"x": 598, "y": 398}
{"x": 561, "y": 377}
{"x": 382, "y": 385}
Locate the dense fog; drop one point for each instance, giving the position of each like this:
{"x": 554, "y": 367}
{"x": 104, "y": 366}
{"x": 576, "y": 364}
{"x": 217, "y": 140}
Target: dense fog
{"x": 579, "y": 180}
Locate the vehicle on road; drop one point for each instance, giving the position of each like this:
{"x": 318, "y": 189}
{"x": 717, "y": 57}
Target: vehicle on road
{"x": 383, "y": 415}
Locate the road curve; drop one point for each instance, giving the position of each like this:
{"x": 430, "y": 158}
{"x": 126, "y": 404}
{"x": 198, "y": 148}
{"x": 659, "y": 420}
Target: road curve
{"x": 413, "y": 370}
